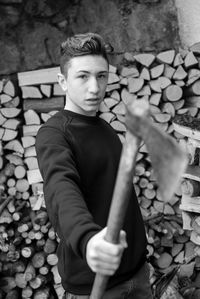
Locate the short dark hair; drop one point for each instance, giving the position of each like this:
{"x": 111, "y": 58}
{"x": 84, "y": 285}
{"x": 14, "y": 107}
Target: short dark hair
{"x": 80, "y": 45}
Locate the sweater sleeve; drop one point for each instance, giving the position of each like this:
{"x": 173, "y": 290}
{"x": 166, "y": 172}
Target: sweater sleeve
{"x": 64, "y": 200}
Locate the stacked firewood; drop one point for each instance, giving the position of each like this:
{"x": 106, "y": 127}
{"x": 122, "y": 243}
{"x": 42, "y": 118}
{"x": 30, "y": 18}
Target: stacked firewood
{"x": 170, "y": 83}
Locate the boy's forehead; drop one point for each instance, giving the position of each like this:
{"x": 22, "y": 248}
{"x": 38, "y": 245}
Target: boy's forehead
{"x": 89, "y": 63}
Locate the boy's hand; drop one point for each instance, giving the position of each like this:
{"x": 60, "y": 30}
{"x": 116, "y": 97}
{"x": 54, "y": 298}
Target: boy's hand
{"x": 102, "y": 256}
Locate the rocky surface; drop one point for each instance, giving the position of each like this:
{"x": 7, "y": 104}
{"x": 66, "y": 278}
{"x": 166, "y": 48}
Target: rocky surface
{"x": 31, "y": 31}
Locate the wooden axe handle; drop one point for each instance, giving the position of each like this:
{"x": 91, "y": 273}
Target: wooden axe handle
{"x": 120, "y": 199}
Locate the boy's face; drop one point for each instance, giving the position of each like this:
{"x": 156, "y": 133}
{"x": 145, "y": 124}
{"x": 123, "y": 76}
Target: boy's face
{"x": 85, "y": 83}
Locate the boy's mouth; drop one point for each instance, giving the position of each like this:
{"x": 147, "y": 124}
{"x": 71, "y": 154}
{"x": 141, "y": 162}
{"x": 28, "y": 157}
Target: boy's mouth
{"x": 93, "y": 100}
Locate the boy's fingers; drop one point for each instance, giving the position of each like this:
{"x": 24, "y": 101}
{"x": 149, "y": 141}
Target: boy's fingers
{"x": 123, "y": 241}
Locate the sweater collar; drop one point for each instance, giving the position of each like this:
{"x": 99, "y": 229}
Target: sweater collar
{"x": 80, "y": 116}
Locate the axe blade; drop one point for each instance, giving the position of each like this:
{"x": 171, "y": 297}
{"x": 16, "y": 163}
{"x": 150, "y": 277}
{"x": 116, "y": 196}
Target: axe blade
{"x": 167, "y": 158}
{"x": 168, "y": 161}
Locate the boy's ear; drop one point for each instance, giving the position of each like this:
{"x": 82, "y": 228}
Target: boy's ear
{"x": 62, "y": 81}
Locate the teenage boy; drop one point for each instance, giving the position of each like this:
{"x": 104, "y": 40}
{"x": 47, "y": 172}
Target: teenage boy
{"x": 78, "y": 155}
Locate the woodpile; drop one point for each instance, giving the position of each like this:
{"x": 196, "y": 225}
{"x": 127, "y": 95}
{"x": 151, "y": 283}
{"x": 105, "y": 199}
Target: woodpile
{"x": 170, "y": 82}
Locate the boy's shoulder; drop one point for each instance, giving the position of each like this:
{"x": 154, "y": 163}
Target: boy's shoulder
{"x": 57, "y": 120}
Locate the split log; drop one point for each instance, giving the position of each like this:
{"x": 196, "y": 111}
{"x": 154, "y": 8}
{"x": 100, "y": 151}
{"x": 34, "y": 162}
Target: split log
{"x": 30, "y": 130}
{"x": 145, "y": 74}
{"x": 135, "y": 84}
{"x": 166, "y": 56}
{"x": 190, "y": 60}
{"x": 192, "y": 90}
{"x": 157, "y": 71}
{"x": 145, "y": 59}
{"x": 180, "y": 73}
{"x": 190, "y": 187}
{"x": 46, "y": 90}
{"x": 178, "y": 60}
{"x": 44, "y": 105}
{"x": 193, "y": 75}
{"x": 9, "y": 88}
{"x": 14, "y": 103}
{"x": 12, "y": 124}
{"x": 193, "y": 101}
{"x": 31, "y": 117}
{"x": 28, "y": 141}
{"x": 10, "y": 112}
{"x": 15, "y": 146}
{"x": 48, "y": 75}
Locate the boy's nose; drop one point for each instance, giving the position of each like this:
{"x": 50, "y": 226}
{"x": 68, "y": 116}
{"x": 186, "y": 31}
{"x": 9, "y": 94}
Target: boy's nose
{"x": 93, "y": 86}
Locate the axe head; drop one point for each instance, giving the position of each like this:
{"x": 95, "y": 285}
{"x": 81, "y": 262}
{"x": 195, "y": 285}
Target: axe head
{"x": 167, "y": 158}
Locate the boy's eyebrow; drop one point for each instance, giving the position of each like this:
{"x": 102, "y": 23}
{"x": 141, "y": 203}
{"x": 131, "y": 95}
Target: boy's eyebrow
{"x": 84, "y": 71}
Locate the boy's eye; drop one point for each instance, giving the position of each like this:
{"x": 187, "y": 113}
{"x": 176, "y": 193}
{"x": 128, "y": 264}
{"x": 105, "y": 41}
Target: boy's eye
{"x": 102, "y": 76}
{"x": 83, "y": 76}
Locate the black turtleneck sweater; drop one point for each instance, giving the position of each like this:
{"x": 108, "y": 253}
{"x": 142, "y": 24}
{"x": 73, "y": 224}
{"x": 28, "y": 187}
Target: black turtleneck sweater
{"x": 78, "y": 158}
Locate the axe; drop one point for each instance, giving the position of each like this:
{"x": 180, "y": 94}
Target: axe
{"x": 168, "y": 161}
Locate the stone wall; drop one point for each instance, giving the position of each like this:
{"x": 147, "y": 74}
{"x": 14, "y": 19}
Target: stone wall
{"x": 31, "y": 31}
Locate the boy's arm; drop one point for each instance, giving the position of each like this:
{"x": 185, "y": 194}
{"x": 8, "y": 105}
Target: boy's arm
{"x": 65, "y": 203}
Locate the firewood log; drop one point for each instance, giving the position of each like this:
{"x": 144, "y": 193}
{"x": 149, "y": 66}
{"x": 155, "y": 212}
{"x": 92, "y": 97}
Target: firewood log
{"x": 172, "y": 93}
{"x": 168, "y": 108}
{"x": 178, "y": 104}
{"x": 44, "y": 270}
{"x": 14, "y": 103}
{"x": 13, "y": 294}
{"x": 31, "y": 117}
{"x": 190, "y": 60}
{"x": 168, "y": 71}
{"x": 118, "y": 126}
{"x": 107, "y": 116}
{"x": 27, "y": 292}
{"x": 9, "y": 134}
{"x": 157, "y": 71}
{"x": 164, "y": 261}
{"x": 102, "y": 108}
{"x": 52, "y": 259}
{"x": 146, "y": 59}
{"x": 2, "y": 119}
{"x": 31, "y": 92}
{"x": 30, "y": 130}
{"x": 112, "y": 87}
{"x": 15, "y": 146}
{"x": 135, "y": 84}
{"x": 30, "y": 272}
{"x": 30, "y": 151}
{"x": 46, "y": 89}
{"x": 145, "y": 74}
{"x": 190, "y": 187}
{"x": 20, "y": 280}
{"x": 22, "y": 185}
{"x": 9, "y": 88}
{"x": 178, "y": 60}
{"x": 4, "y": 98}
{"x": 44, "y": 105}
{"x": 50, "y": 246}
{"x": 192, "y": 101}
{"x": 27, "y": 251}
{"x": 180, "y": 73}
{"x": 155, "y": 98}
{"x": 14, "y": 159}
{"x": 166, "y": 56}
{"x": 193, "y": 75}
{"x": 42, "y": 293}
{"x": 12, "y": 123}
{"x": 20, "y": 172}
{"x": 38, "y": 259}
{"x": 10, "y": 112}
{"x": 177, "y": 247}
